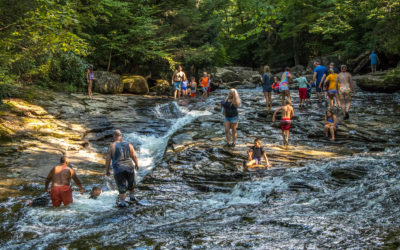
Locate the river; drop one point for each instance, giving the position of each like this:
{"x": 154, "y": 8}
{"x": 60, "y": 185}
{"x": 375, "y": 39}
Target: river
{"x": 195, "y": 194}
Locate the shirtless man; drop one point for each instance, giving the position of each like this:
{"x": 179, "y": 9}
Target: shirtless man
{"x": 177, "y": 79}
{"x": 60, "y": 176}
{"x": 287, "y": 114}
{"x": 345, "y": 91}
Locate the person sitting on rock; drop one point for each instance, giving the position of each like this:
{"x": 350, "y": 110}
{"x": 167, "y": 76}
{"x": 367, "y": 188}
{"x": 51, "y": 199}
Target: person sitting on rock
{"x": 60, "y": 176}
{"x": 330, "y": 124}
{"x": 276, "y": 85}
{"x": 255, "y": 154}
{"x": 287, "y": 115}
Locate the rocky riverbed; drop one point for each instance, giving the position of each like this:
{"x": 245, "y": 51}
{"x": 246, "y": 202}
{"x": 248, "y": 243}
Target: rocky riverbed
{"x": 194, "y": 190}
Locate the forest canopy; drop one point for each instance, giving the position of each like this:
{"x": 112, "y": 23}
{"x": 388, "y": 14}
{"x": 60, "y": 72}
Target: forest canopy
{"x": 52, "y": 42}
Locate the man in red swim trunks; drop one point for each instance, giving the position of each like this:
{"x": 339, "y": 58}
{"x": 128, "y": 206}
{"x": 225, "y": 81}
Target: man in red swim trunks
{"x": 60, "y": 176}
{"x": 287, "y": 114}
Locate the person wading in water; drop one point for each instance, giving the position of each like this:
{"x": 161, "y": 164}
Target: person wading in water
{"x": 122, "y": 155}
{"x": 60, "y": 176}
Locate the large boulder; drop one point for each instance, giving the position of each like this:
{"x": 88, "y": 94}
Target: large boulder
{"x": 387, "y": 83}
{"x": 107, "y": 83}
{"x": 230, "y": 77}
{"x": 135, "y": 84}
{"x": 162, "y": 87}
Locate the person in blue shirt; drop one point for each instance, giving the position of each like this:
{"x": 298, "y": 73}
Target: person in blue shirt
{"x": 267, "y": 87}
{"x": 319, "y": 72}
{"x": 374, "y": 61}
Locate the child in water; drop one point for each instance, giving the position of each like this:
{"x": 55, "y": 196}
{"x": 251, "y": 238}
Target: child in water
{"x": 287, "y": 115}
{"x": 330, "y": 124}
{"x": 255, "y": 154}
{"x": 95, "y": 193}
{"x": 193, "y": 87}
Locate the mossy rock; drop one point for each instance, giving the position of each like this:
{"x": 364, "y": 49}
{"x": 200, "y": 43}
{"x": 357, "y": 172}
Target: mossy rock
{"x": 135, "y": 84}
{"x": 377, "y": 83}
{"x": 162, "y": 87}
{"x": 107, "y": 83}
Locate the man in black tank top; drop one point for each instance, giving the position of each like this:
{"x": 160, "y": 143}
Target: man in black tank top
{"x": 124, "y": 163}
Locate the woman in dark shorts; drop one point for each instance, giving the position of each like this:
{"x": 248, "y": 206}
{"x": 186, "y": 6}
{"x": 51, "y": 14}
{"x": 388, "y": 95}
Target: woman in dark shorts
{"x": 267, "y": 87}
{"x": 230, "y": 105}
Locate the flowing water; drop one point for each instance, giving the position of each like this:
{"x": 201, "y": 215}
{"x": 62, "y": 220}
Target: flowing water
{"x": 195, "y": 194}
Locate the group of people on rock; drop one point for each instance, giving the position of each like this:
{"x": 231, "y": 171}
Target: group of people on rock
{"x": 185, "y": 88}
{"x": 337, "y": 86}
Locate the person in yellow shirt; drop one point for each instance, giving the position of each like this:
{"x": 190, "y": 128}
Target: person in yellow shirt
{"x": 332, "y": 88}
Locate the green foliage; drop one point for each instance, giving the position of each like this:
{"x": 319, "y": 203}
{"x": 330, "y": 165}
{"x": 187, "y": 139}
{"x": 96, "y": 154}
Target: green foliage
{"x": 50, "y": 42}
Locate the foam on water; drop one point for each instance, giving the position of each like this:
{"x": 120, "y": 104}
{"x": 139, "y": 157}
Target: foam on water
{"x": 152, "y": 147}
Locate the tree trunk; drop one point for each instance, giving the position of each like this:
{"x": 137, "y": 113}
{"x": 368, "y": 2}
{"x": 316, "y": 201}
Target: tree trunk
{"x": 109, "y": 61}
{"x": 295, "y": 51}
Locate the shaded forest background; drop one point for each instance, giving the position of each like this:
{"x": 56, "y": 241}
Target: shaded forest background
{"x": 51, "y": 43}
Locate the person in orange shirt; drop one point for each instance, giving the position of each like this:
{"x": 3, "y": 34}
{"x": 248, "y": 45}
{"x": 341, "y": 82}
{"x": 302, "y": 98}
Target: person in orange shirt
{"x": 332, "y": 88}
{"x": 204, "y": 85}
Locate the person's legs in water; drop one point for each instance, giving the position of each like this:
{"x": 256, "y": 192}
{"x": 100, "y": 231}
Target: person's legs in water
{"x": 266, "y": 100}
{"x": 227, "y": 132}
{"x": 348, "y": 104}
{"x": 287, "y": 136}
{"x": 287, "y": 93}
{"x": 330, "y": 101}
{"x": 234, "y": 133}
{"x": 270, "y": 100}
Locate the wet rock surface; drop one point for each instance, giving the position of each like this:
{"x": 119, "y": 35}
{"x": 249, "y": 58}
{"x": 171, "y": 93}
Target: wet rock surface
{"x": 194, "y": 190}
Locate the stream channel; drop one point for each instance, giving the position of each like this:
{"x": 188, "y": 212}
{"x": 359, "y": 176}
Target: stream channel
{"x": 195, "y": 194}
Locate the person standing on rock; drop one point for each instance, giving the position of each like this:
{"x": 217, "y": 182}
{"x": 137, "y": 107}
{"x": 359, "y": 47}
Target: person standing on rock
{"x": 326, "y": 74}
{"x": 332, "y": 88}
{"x": 61, "y": 176}
{"x": 374, "y": 61}
{"x": 204, "y": 82}
{"x": 303, "y": 84}
{"x": 89, "y": 79}
{"x": 230, "y": 107}
{"x": 284, "y": 85}
{"x": 287, "y": 115}
{"x": 267, "y": 87}
{"x": 319, "y": 72}
{"x": 125, "y": 164}
{"x": 177, "y": 79}
{"x": 346, "y": 89}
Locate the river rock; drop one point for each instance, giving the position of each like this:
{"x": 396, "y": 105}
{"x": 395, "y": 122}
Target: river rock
{"x": 162, "y": 87}
{"x": 107, "y": 83}
{"x": 231, "y": 77}
{"x": 378, "y": 83}
{"x": 135, "y": 84}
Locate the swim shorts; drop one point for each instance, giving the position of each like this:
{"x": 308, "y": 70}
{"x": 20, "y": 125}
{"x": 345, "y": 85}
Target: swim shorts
{"x": 205, "y": 89}
{"x": 267, "y": 88}
{"x": 303, "y": 93}
{"x": 232, "y": 119}
{"x": 193, "y": 94}
{"x": 60, "y": 194}
{"x": 258, "y": 160}
{"x": 345, "y": 90}
{"x": 125, "y": 181}
{"x": 285, "y": 123}
{"x": 283, "y": 87}
{"x": 332, "y": 92}
{"x": 184, "y": 85}
{"x": 317, "y": 88}
{"x": 177, "y": 85}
